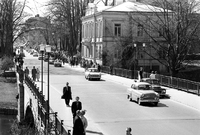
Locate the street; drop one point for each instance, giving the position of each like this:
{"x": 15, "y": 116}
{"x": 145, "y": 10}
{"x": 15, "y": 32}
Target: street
{"x": 107, "y": 106}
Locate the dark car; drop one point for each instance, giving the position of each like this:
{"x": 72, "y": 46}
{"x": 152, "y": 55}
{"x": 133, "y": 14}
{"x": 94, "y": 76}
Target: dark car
{"x": 155, "y": 84}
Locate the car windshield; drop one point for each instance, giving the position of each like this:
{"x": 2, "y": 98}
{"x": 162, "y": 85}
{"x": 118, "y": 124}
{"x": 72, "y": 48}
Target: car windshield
{"x": 153, "y": 82}
{"x": 143, "y": 87}
{"x": 93, "y": 70}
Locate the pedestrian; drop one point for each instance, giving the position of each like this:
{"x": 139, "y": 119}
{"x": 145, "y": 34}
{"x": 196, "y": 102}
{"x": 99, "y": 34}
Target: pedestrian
{"x": 152, "y": 75}
{"x": 34, "y": 72}
{"x": 21, "y": 75}
{"x": 26, "y": 71}
{"x": 38, "y": 74}
{"x": 76, "y": 105}
{"x": 78, "y": 128}
{"x": 140, "y": 73}
{"x": 84, "y": 120}
{"x": 67, "y": 94}
{"x": 98, "y": 67}
{"x": 156, "y": 75}
{"x": 21, "y": 62}
{"x": 111, "y": 69}
{"x": 128, "y": 131}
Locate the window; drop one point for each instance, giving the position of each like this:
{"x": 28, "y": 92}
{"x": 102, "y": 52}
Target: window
{"x": 117, "y": 30}
{"x": 140, "y": 30}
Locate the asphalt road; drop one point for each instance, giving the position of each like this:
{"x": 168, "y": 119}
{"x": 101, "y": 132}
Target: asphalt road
{"x": 108, "y": 107}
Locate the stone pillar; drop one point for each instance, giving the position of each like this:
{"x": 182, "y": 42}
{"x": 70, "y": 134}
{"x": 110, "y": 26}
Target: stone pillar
{"x": 21, "y": 102}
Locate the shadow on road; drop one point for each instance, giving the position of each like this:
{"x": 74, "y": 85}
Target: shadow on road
{"x": 94, "y": 132}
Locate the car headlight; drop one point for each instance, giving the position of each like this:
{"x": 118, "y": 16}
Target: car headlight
{"x": 163, "y": 91}
{"x": 142, "y": 96}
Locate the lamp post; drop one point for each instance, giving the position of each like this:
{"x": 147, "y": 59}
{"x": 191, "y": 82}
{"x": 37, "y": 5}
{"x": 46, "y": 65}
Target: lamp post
{"x": 48, "y": 50}
{"x": 135, "y": 45}
{"x": 144, "y": 45}
{"x": 42, "y": 47}
{"x": 95, "y": 19}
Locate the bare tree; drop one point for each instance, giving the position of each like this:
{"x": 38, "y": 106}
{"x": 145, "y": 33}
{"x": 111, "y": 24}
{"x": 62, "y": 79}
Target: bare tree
{"x": 172, "y": 31}
{"x": 12, "y": 14}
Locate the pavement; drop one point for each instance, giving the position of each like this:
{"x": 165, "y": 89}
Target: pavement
{"x": 190, "y": 100}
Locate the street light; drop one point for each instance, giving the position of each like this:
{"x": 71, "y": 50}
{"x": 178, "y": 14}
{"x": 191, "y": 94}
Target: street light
{"x": 144, "y": 45}
{"x": 135, "y": 45}
{"x": 48, "y": 50}
{"x": 42, "y": 47}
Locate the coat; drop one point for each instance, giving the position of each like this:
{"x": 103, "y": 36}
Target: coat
{"x": 78, "y": 128}
{"x": 67, "y": 92}
{"x": 76, "y": 105}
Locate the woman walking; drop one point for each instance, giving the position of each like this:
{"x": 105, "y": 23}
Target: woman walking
{"x": 38, "y": 75}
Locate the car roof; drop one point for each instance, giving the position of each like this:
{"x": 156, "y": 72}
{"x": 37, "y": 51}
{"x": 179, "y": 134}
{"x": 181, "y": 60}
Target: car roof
{"x": 140, "y": 83}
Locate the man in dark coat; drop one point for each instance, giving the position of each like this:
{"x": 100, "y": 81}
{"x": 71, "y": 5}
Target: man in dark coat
{"x": 67, "y": 93}
{"x": 34, "y": 72}
{"x": 76, "y": 105}
{"x": 78, "y": 128}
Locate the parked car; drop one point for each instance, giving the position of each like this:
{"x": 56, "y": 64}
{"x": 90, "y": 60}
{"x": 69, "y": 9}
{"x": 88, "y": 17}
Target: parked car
{"x": 51, "y": 60}
{"x": 57, "y": 63}
{"x": 155, "y": 84}
{"x": 92, "y": 73}
{"x": 141, "y": 92}
{"x": 35, "y": 54}
{"x": 45, "y": 58}
{"x": 40, "y": 56}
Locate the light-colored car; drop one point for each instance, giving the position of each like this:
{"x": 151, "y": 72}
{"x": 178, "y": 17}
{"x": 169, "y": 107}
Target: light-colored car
{"x": 57, "y": 63}
{"x": 40, "y": 56}
{"x": 92, "y": 73}
{"x": 155, "y": 84}
{"x": 141, "y": 92}
{"x": 51, "y": 60}
{"x": 35, "y": 54}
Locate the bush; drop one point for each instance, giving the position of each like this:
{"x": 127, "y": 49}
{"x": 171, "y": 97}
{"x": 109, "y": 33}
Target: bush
{"x": 6, "y": 63}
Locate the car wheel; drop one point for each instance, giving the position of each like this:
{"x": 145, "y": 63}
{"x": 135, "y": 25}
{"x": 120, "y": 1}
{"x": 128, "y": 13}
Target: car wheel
{"x": 129, "y": 98}
{"x": 138, "y": 101}
{"x": 156, "y": 103}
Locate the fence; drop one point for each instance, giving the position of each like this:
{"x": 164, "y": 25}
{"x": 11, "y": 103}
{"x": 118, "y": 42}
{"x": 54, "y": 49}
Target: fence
{"x": 55, "y": 124}
{"x": 173, "y": 82}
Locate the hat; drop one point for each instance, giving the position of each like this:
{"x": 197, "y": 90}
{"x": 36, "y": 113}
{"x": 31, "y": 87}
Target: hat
{"x": 83, "y": 112}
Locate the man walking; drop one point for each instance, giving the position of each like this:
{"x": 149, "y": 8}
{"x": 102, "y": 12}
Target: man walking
{"x": 78, "y": 128}
{"x": 34, "y": 72}
{"x": 67, "y": 94}
{"x": 26, "y": 71}
{"x": 76, "y": 105}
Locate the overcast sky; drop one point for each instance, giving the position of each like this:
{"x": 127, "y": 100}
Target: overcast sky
{"x": 35, "y": 7}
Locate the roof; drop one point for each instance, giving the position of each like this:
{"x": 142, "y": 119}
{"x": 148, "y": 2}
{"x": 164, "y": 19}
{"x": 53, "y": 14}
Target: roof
{"x": 140, "y": 83}
{"x": 134, "y": 7}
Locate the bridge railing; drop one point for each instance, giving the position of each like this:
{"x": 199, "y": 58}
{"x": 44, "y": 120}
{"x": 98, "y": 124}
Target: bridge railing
{"x": 173, "y": 82}
{"x": 55, "y": 124}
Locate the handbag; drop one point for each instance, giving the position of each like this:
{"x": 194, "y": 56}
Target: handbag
{"x": 62, "y": 97}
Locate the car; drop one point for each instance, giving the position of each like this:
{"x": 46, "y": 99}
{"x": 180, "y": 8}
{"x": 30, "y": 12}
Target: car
{"x": 51, "y": 60}
{"x": 155, "y": 84}
{"x": 57, "y": 63}
{"x": 141, "y": 92}
{"x": 40, "y": 56}
{"x": 35, "y": 54}
{"x": 92, "y": 73}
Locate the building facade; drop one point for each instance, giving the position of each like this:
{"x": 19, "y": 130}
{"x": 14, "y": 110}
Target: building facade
{"x": 106, "y": 29}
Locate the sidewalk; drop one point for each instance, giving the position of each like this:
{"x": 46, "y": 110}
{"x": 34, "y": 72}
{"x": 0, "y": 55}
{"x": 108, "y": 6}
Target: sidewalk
{"x": 188, "y": 99}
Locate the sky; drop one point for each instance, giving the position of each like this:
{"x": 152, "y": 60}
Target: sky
{"x": 35, "y": 7}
